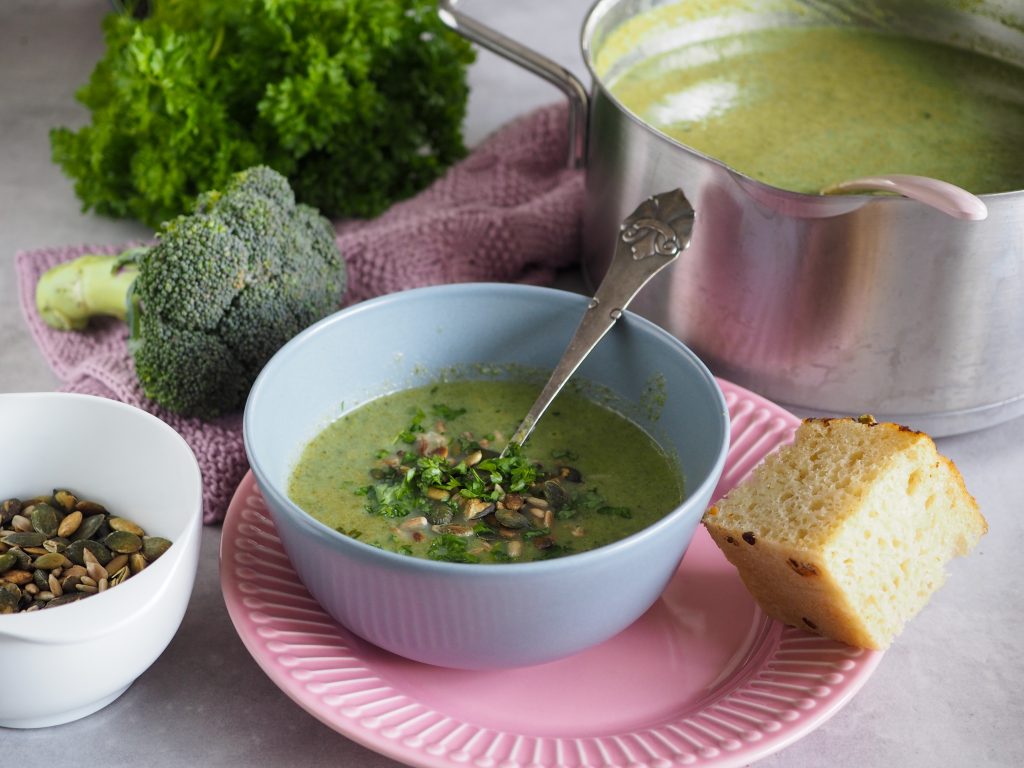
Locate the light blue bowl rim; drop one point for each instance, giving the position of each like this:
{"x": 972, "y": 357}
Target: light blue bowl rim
{"x": 452, "y": 292}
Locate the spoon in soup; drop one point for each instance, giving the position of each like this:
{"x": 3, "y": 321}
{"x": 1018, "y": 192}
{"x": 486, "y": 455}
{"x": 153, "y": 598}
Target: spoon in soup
{"x": 650, "y": 239}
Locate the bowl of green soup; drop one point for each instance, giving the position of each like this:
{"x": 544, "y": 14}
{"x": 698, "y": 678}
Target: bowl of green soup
{"x": 379, "y": 439}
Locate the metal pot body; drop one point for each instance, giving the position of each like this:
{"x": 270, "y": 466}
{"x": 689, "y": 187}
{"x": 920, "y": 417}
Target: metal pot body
{"x": 828, "y": 305}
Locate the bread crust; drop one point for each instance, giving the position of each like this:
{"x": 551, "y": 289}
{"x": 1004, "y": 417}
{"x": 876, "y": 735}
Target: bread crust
{"x": 846, "y": 532}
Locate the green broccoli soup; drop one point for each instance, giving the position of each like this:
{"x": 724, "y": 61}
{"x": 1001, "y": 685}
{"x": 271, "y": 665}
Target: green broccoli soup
{"x": 420, "y": 472}
{"x": 802, "y": 108}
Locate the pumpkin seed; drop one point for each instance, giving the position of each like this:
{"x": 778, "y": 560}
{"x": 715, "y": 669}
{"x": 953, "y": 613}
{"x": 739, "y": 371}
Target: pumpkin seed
{"x": 64, "y": 599}
{"x": 24, "y": 560}
{"x": 136, "y": 562}
{"x": 49, "y": 561}
{"x": 124, "y": 542}
{"x": 88, "y": 527}
{"x": 121, "y": 524}
{"x": 555, "y": 494}
{"x": 44, "y": 519}
{"x": 7, "y": 561}
{"x": 8, "y": 602}
{"x": 511, "y": 519}
{"x": 64, "y": 499}
{"x": 76, "y": 551}
{"x": 8, "y": 509}
{"x": 24, "y": 539}
{"x": 39, "y": 578}
{"x": 439, "y": 514}
{"x": 153, "y": 547}
{"x": 90, "y": 508}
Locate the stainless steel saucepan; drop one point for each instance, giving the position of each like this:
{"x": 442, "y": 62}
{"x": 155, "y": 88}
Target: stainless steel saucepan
{"x": 826, "y": 304}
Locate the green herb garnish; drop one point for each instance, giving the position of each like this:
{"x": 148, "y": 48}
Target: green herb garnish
{"x": 451, "y": 549}
{"x": 447, "y": 484}
{"x": 442, "y": 411}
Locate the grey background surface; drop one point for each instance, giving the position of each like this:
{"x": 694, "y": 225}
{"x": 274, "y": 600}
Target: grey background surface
{"x": 949, "y": 693}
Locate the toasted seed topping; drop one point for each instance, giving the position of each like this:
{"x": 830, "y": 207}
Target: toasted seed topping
{"x": 56, "y": 549}
{"x": 127, "y": 526}
{"x": 70, "y": 523}
{"x": 21, "y": 523}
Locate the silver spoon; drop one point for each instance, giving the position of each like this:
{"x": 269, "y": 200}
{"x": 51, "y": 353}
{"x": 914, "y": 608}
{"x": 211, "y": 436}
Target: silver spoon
{"x": 649, "y": 240}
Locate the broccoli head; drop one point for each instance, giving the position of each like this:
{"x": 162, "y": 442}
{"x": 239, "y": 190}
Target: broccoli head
{"x": 222, "y": 289}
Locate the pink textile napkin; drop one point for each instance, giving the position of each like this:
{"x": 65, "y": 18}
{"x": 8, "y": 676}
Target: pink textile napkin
{"x": 509, "y": 212}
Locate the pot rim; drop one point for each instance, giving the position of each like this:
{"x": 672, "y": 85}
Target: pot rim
{"x": 599, "y": 9}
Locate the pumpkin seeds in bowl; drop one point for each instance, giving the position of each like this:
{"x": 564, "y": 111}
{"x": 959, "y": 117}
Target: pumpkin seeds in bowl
{"x": 59, "y": 548}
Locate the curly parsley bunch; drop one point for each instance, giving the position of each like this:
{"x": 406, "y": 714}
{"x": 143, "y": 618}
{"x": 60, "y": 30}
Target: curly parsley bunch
{"x": 358, "y": 102}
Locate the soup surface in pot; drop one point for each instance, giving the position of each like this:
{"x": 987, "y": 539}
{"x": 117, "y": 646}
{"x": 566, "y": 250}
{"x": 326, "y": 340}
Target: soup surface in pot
{"x": 801, "y": 108}
{"x": 418, "y": 472}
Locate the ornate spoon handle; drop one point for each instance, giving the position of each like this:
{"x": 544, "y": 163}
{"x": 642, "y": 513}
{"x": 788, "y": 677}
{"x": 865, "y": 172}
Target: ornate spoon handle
{"x": 649, "y": 240}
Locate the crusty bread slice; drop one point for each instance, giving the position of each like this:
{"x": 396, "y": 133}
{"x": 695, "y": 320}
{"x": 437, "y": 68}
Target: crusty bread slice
{"x": 847, "y": 531}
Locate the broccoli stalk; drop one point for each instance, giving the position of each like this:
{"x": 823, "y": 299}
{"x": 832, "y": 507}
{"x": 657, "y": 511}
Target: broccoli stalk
{"x": 94, "y": 284}
{"x": 222, "y": 289}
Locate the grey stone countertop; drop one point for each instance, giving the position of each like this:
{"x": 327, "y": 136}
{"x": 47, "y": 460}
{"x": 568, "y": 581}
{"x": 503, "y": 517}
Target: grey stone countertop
{"x": 948, "y": 693}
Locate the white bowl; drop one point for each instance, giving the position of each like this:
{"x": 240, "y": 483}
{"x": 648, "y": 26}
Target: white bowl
{"x": 85, "y": 654}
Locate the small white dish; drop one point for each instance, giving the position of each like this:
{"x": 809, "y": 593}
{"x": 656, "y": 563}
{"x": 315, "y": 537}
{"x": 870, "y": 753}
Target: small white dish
{"x": 85, "y": 654}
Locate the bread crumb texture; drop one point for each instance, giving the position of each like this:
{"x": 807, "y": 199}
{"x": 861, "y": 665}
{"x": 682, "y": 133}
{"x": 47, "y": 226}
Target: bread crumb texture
{"x": 847, "y": 531}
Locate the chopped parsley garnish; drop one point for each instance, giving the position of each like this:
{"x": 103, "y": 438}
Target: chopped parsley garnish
{"x": 451, "y": 549}
{"x": 415, "y": 427}
{"x": 623, "y": 512}
{"x": 442, "y": 411}
{"x": 445, "y": 476}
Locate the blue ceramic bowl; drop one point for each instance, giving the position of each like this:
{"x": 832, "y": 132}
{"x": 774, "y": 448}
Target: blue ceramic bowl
{"x": 470, "y": 615}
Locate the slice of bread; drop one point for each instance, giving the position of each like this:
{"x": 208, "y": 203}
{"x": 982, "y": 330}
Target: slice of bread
{"x": 847, "y": 531}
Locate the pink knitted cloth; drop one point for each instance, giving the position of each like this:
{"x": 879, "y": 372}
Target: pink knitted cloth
{"x": 509, "y": 212}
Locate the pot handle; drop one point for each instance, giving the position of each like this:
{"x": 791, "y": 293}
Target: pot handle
{"x": 941, "y": 195}
{"x": 529, "y": 59}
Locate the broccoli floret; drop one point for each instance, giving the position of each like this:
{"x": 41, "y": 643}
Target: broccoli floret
{"x": 221, "y": 290}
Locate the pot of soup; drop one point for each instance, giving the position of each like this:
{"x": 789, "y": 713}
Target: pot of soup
{"x": 907, "y": 306}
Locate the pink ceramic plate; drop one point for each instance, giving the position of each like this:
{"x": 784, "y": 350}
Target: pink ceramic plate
{"x": 703, "y": 678}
